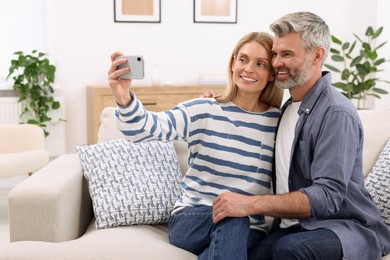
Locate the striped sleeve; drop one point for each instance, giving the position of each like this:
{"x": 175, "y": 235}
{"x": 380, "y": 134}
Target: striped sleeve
{"x": 137, "y": 124}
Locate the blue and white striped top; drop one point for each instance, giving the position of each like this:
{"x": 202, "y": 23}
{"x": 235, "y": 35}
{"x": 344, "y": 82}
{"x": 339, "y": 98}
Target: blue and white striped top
{"x": 230, "y": 149}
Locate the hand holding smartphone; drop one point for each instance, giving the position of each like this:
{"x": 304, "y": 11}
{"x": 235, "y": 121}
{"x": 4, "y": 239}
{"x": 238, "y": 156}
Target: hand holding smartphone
{"x": 136, "y": 64}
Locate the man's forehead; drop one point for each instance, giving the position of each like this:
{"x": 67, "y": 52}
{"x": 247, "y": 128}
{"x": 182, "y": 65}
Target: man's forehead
{"x": 287, "y": 41}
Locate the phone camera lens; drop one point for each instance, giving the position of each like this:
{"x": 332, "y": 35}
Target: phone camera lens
{"x": 138, "y": 59}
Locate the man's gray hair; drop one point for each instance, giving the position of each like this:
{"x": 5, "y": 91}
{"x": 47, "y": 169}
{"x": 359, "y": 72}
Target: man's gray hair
{"x": 314, "y": 31}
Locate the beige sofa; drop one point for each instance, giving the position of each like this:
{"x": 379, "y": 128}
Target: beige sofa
{"x": 51, "y": 215}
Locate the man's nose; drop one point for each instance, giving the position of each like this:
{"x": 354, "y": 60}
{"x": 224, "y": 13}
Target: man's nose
{"x": 276, "y": 62}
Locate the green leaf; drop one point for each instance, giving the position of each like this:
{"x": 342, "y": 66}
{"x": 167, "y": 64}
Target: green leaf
{"x": 32, "y": 122}
{"x": 340, "y": 85}
{"x": 356, "y": 61}
{"x": 45, "y": 118}
{"x": 357, "y": 37}
{"x": 55, "y": 105}
{"x": 330, "y": 67}
{"x": 336, "y": 40}
{"x": 337, "y": 58}
{"x": 380, "y": 91}
{"x": 345, "y": 46}
{"x": 363, "y": 69}
{"x": 380, "y": 45}
{"x": 366, "y": 47}
{"x": 372, "y": 55}
{"x": 345, "y": 74}
{"x": 369, "y": 31}
{"x": 384, "y": 81}
{"x": 370, "y": 83}
{"x": 332, "y": 50}
{"x": 377, "y": 32}
{"x": 352, "y": 48}
{"x": 379, "y": 62}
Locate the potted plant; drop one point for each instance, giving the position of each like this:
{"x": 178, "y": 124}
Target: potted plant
{"x": 359, "y": 69}
{"x": 33, "y": 80}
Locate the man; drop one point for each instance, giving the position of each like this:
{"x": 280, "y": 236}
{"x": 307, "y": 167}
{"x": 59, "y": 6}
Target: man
{"x": 321, "y": 209}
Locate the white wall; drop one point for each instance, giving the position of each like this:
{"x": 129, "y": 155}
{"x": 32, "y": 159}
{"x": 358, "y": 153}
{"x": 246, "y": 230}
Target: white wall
{"x": 21, "y": 28}
{"x": 384, "y": 20}
{"x": 81, "y": 35}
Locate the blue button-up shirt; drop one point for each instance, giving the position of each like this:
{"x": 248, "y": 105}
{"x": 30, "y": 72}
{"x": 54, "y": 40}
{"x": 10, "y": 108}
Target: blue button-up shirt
{"x": 327, "y": 166}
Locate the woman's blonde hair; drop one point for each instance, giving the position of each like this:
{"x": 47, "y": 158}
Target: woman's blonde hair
{"x": 271, "y": 94}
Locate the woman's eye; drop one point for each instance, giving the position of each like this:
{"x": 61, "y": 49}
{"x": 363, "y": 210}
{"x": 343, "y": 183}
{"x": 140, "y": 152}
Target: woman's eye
{"x": 262, "y": 65}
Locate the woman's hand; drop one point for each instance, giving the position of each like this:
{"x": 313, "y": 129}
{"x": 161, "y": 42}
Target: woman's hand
{"x": 120, "y": 87}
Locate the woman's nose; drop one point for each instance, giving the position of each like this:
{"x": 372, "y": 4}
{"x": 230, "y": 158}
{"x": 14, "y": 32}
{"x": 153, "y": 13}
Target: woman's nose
{"x": 250, "y": 67}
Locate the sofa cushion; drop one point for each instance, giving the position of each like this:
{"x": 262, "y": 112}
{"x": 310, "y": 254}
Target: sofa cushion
{"x": 375, "y": 124}
{"x": 140, "y": 242}
{"x": 108, "y": 131}
{"x": 131, "y": 183}
{"x": 378, "y": 183}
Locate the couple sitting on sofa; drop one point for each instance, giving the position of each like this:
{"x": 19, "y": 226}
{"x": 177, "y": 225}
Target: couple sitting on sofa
{"x": 317, "y": 178}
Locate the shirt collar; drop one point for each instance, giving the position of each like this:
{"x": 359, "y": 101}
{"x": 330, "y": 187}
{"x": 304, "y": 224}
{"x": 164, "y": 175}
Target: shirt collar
{"x": 313, "y": 95}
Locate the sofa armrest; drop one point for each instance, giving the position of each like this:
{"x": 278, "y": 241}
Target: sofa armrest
{"x": 52, "y": 205}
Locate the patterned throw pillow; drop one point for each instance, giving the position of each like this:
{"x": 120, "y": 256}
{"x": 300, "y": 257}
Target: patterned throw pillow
{"x": 378, "y": 183}
{"x": 131, "y": 183}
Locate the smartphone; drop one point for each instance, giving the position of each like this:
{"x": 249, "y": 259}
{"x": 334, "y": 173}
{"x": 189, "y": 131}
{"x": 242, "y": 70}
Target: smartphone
{"x": 136, "y": 64}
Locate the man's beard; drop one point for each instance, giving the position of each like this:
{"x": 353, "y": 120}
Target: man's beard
{"x": 298, "y": 76}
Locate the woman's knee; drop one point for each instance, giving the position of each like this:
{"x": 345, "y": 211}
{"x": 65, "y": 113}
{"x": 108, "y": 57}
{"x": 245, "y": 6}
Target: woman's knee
{"x": 190, "y": 229}
{"x": 235, "y": 227}
{"x": 236, "y": 222}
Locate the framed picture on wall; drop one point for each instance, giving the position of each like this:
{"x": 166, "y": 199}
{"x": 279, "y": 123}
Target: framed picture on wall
{"x": 215, "y": 11}
{"x": 136, "y": 11}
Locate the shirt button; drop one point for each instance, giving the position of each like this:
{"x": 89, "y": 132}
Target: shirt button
{"x": 307, "y": 110}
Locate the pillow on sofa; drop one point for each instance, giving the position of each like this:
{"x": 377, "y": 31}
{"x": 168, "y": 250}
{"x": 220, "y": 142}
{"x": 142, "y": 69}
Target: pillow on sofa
{"x": 378, "y": 183}
{"x": 131, "y": 183}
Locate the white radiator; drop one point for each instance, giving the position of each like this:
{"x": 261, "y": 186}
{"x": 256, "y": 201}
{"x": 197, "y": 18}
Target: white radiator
{"x": 10, "y": 110}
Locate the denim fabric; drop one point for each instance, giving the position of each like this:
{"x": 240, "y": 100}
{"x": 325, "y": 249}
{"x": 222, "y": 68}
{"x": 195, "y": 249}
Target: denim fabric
{"x": 297, "y": 243}
{"x": 192, "y": 229}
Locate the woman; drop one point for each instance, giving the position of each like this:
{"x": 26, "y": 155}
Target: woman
{"x": 230, "y": 140}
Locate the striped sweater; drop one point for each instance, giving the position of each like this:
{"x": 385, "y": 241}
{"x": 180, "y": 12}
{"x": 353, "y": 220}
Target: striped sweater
{"x": 230, "y": 149}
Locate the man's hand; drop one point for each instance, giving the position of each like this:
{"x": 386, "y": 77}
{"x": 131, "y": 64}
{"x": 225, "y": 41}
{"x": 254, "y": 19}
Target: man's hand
{"x": 208, "y": 94}
{"x": 230, "y": 204}
{"x": 291, "y": 205}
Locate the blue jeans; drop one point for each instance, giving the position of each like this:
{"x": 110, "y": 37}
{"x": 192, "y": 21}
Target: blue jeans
{"x": 298, "y": 243}
{"x": 192, "y": 229}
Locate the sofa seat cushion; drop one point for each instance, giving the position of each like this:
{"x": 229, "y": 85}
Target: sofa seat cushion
{"x": 130, "y": 242}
